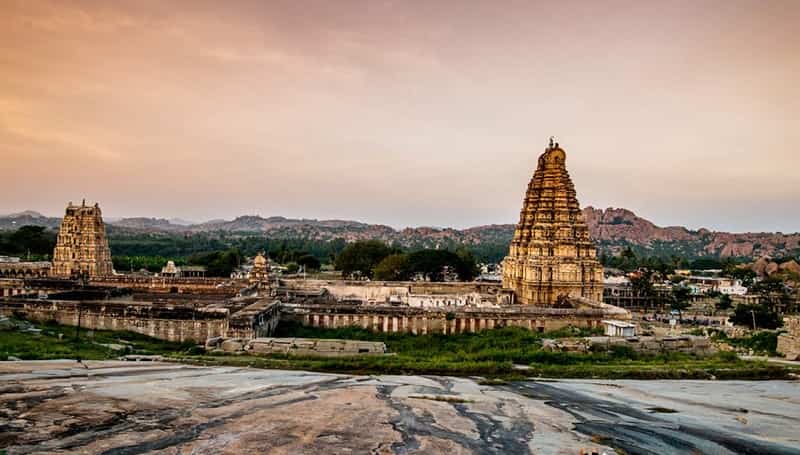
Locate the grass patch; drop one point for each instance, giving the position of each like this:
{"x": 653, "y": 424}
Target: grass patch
{"x": 86, "y": 344}
{"x": 489, "y": 354}
{"x": 492, "y": 354}
{"x": 761, "y": 343}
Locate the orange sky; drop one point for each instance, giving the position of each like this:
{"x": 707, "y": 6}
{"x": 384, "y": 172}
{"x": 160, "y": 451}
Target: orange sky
{"x": 401, "y": 112}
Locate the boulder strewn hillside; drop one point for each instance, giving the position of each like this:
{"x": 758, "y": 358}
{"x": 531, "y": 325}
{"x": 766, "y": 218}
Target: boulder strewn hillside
{"x": 620, "y": 227}
{"x": 613, "y": 228}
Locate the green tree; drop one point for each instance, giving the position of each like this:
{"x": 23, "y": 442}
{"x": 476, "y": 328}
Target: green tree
{"x": 394, "y": 267}
{"x": 218, "y": 263}
{"x": 681, "y": 296}
{"x": 745, "y": 275}
{"x": 360, "y": 258}
{"x": 774, "y": 293}
{"x": 725, "y": 302}
{"x": 431, "y": 264}
{"x": 763, "y": 316}
{"x": 642, "y": 284}
{"x": 467, "y": 268}
{"x": 309, "y": 263}
{"x": 36, "y": 240}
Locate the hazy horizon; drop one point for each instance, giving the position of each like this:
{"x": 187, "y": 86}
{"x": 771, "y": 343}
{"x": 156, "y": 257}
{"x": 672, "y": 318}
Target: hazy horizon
{"x": 183, "y": 221}
{"x": 401, "y": 113}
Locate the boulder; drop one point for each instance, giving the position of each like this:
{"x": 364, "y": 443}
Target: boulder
{"x": 791, "y": 266}
{"x": 214, "y": 342}
{"x": 233, "y": 345}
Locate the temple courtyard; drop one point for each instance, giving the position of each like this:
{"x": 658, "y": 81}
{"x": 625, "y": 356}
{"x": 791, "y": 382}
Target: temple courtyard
{"x": 115, "y": 407}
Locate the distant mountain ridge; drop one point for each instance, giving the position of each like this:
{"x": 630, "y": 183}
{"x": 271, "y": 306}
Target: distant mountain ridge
{"x": 614, "y": 229}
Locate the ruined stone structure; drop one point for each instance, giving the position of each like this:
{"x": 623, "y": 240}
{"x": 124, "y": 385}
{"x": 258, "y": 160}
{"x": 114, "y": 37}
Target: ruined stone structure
{"x": 167, "y": 321}
{"x": 82, "y": 248}
{"x": 298, "y": 346}
{"x": 168, "y": 285}
{"x": 789, "y": 343}
{"x": 25, "y": 269}
{"x": 551, "y": 257}
{"x": 393, "y": 319}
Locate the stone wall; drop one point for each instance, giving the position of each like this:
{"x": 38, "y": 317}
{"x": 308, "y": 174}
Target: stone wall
{"x": 696, "y": 345}
{"x": 163, "y": 322}
{"x": 34, "y": 286}
{"x": 384, "y": 318}
{"x": 299, "y": 346}
{"x": 23, "y": 270}
{"x": 167, "y": 322}
{"x": 208, "y": 286}
{"x": 412, "y": 293}
{"x": 789, "y": 343}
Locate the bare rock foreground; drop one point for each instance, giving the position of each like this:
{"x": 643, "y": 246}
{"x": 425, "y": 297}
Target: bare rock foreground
{"x": 131, "y": 408}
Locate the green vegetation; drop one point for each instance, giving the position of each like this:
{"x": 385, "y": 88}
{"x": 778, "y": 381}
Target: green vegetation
{"x": 15, "y": 341}
{"x": 725, "y": 302}
{"x": 150, "y": 263}
{"x": 680, "y": 299}
{"x": 374, "y": 259}
{"x": 35, "y": 241}
{"x": 761, "y": 316}
{"x": 490, "y": 354}
{"x": 359, "y": 259}
{"x": 394, "y": 267}
{"x": 761, "y": 343}
{"x": 494, "y": 353}
{"x": 218, "y": 263}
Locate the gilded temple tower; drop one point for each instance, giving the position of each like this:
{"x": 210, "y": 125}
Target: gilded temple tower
{"x": 551, "y": 256}
{"x": 82, "y": 247}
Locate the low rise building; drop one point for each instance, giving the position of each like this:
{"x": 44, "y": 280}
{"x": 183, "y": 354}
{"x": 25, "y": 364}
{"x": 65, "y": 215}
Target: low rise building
{"x": 185, "y": 271}
{"x": 614, "y": 328}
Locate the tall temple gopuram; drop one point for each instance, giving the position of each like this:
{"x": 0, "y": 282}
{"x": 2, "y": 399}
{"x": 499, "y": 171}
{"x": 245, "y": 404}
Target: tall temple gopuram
{"x": 551, "y": 256}
{"x": 82, "y": 247}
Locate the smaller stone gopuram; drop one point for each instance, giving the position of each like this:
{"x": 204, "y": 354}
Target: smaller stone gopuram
{"x": 260, "y": 272}
{"x": 82, "y": 247}
{"x": 551, "y": 257}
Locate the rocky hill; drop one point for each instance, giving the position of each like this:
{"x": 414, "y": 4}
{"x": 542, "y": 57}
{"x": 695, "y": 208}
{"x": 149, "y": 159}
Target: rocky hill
{"x": 618, "y": 228}
{"x": 27, "y": 218}
{"x": 614, "y": 229}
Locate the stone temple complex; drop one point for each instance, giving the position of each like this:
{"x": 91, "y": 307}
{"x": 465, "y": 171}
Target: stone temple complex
{"x": 551, "y": 280}
{"x": 551, "y": 257}
{"x": 82, "y": 247}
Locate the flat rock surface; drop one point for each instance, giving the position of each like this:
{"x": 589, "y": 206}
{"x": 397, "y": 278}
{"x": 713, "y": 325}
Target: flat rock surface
{"x": 153, "y": 407}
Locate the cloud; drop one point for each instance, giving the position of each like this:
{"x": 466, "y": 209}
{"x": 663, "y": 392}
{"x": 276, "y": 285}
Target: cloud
{"x": 400, "y": 112}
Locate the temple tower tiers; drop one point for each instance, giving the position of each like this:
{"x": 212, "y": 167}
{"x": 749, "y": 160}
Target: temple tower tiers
{"x": 551, "y": 256}
{"x": 260, "y": 272}
{"x": 82, "y": 247}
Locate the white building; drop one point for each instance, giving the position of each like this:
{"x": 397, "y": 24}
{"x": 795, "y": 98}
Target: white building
{"x": 735, "y": 288}
{"x": 616, "y": 328}
{"x": 616, "y": 280}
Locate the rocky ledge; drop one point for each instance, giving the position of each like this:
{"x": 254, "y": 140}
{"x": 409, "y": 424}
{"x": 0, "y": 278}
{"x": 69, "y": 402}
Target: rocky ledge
{"x": 153, "y": 407}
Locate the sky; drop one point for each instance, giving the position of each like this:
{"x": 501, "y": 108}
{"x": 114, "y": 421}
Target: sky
{"x": 404, "y": 113}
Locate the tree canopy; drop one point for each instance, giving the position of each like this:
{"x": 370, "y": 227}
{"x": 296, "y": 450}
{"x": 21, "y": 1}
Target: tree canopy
{"x": 360, "y": 258}
{"x": 36, "y": 240}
